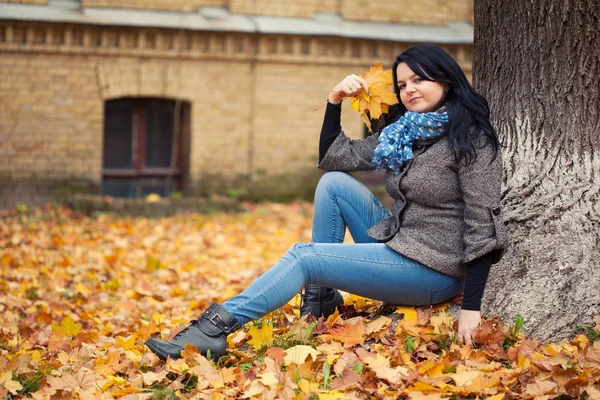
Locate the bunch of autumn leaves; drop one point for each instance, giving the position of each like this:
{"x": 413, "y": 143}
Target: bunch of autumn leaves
{"x": 371, "y": 105}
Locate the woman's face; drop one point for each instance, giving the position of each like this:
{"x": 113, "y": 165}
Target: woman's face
{"x": 416, "y": 93}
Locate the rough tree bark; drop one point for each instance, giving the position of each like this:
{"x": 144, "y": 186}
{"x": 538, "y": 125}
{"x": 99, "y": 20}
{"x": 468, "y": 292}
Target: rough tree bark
{"x": 538, "y": 64}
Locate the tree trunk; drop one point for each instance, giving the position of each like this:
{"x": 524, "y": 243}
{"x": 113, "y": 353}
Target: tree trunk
{"x": 538, "y": 64}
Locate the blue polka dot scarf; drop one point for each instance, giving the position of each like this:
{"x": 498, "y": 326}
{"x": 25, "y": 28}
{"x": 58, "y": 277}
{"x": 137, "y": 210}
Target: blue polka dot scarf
{"x": 396, "y": 140}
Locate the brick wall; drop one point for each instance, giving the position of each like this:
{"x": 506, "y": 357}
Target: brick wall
{"x": 164, "y": 5}
{"x": 433, "y": 12}
{"x": 25, "y": 1}
{"x": 251, "y": 102}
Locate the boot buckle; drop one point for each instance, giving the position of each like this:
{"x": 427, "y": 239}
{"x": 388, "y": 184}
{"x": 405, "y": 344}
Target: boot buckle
{"x": 211, "y": 316}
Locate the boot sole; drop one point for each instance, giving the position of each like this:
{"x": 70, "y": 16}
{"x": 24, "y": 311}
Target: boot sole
{"x": 158, "y": 354}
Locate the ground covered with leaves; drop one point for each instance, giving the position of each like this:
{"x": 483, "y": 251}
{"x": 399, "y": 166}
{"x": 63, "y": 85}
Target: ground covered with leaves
{"x": 79, "y": 296}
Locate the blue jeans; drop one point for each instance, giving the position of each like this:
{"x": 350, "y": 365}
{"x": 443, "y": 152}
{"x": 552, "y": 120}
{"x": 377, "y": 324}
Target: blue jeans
{"x": 366, "y": 268}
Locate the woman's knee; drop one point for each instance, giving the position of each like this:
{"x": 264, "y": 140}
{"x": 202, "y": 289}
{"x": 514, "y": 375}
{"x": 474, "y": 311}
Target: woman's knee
{"x": 301, "y": 250}
{"x": 332, "y": 180}
{"x": 301, "y": 253}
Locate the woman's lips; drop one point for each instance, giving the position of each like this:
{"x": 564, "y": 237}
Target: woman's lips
{"x": 414, "y": 99}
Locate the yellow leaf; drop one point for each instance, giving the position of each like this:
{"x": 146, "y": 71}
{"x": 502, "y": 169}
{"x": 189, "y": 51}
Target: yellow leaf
{"x": 299, "y": 354}
{"x": 67, "y": 326}
{"x": 423, "y": 387}
{"x": 523, "y": 362}
{"x": 410, "y": 315}
{"x": 437, "y": 371}
{"x": 331, "y": 359}
{"x": 127, "y": 343}
{"x": 498, "y": 396}
{"x": 379, "y": 98}
{"x": 13, "y": 386}
{"x": 306, "y": 386}
{"x": 269, "y": 379}
{"x": 262, "y": 336}
{"x": 113, "y": 381}
{"x": 178, "y": 365}
{"x": 332, "y": 395}
{"x": 442, "y": 322}
{"x": 464, "y": 378}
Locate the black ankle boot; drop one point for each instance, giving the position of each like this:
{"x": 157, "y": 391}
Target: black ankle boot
{"x": 209, "y": 332}
{"x": 318, "y": 301}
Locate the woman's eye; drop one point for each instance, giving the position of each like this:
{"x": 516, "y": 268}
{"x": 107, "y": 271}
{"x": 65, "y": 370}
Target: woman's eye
{"x": 417, "y": 80}
{"x": 400, "y": 87}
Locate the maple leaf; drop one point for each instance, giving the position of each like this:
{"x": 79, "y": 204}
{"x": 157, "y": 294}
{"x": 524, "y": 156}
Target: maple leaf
{"x": 540, "y": 387}
{"x": 349, "y": 378}
{"x": 108, "y": 365}
{"x": 379, "y": 98}
{"x": 332, "y": 395}
{"x": 381, "y": 366}
{"x": 350, "y": 334}
{"x": 377, "y": 325}
{"x": 261, "y": 336}
{"x": 276, "y": 353}
{"x": 67, "y": 326}
{"x": 9, "y": 384}
{"x": 298, "y": 354}
{"x": 307, "y": 386}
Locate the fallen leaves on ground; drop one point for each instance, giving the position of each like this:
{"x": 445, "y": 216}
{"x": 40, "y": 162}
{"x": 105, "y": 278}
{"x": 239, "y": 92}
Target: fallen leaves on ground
{"x": 79, "y": 296}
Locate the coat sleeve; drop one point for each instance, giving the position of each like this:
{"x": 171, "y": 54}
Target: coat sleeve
{"x": 348, "y": 155}
{"x": 480, "y": 185}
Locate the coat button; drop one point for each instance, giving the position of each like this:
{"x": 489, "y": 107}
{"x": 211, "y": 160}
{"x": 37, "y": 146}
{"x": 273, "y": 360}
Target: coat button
{"x": 496, "y": 211}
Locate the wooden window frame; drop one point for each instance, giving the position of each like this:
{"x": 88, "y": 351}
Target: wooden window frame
{"x": 139, "y": 135}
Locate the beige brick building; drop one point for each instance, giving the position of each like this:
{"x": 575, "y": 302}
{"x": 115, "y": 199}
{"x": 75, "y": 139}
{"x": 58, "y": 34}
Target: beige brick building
{"x": 128, "y": 98}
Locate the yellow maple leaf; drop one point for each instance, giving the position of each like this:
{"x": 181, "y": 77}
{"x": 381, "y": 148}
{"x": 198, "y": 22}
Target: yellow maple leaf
{"x": 331, "y": 395}
{"x": 128, "y": 343}
{"x": 261, "y": 336}
{"x": 377, "y": 101}
{"x": 113, "y": 381}
{"x": 410, "y": 315}
{"x": 307, "y": 386}
{"x": 67, "y": 326}
{"x": 298, "y": 354}
{"x": 361, "y": 303}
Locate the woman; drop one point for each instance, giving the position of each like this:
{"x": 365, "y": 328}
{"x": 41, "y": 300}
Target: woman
{"x": 442, "y": 167}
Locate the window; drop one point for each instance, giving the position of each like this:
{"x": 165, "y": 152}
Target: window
{"x": 144, "y": 143}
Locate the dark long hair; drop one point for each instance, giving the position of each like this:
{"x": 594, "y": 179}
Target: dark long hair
{"x": 468, "y": 111}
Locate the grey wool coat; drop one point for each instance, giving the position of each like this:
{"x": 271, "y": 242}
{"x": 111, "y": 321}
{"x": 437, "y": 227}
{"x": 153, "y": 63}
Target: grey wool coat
{"x": 445, "y": 214}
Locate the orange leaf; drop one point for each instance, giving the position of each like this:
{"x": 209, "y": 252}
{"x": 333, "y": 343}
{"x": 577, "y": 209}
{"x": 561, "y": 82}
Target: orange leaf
{"x": 350, "y": 334}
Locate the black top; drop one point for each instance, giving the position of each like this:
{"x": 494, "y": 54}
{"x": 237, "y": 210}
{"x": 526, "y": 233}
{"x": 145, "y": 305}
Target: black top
{"x": 477, "y": 270}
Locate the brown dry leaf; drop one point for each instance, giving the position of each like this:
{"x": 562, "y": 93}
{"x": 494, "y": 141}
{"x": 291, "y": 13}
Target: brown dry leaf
{"x": 348, "y": 379}
{"x": 540, "y": 387}
{"x": 378, "y": 327}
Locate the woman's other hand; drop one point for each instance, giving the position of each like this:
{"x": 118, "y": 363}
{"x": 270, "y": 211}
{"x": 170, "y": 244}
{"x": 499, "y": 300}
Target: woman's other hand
{"x": 467, "y": 322}
{"x": 350, "y": 86}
